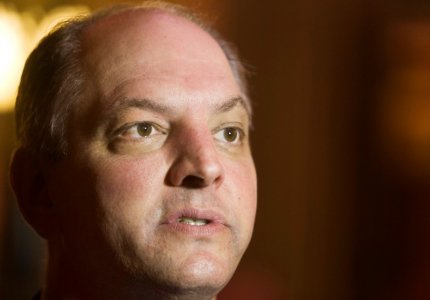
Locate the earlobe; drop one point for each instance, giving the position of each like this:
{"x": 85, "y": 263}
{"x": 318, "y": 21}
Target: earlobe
{"x": 28, "y": 178}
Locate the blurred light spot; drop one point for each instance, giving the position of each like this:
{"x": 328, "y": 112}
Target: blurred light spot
{"x": 12, "y": 55}
{"x": 404, "y": 99}
{"x": 56, "y": 16}
{"x": 19, "y": 34}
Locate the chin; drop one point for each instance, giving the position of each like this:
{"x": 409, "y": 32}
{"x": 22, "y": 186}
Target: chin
{"x": 201, "y": 277}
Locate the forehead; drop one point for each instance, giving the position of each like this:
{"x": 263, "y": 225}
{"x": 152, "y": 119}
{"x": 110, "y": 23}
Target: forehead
{"x": 153, "y": 27}
{"x": 139, "y": 44}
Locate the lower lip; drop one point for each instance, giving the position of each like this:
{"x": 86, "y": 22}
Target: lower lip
{"x": 195, "y": 231}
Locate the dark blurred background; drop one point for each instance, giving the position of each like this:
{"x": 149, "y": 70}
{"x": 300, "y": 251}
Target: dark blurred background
{"x": 341, "y": 91}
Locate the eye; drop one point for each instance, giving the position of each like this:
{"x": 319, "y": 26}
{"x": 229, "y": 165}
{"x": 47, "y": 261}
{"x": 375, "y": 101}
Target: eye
{"x": 139, "y": 130}
{"x": 230, "y": 135}
{"x": 144, "y": 129}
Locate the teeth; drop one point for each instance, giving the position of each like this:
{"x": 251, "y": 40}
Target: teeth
{"x": 192, "y": 221}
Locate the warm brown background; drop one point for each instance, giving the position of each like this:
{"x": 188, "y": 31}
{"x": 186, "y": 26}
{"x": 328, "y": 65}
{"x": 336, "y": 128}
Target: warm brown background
{"x": 342, "y": 147}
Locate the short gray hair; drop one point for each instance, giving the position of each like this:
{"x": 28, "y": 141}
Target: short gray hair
{"x": 53, "y": 80}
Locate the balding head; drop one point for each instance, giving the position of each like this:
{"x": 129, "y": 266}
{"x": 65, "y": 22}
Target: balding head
{"x": 153, "y": 191}
{"x": 151, "y": 43}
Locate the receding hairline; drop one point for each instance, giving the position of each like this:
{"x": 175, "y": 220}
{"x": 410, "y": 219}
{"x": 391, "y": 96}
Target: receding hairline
{"x": 119, "y": 15}
{"x": 139, "y": 17}
{"x": 161, "y": 7}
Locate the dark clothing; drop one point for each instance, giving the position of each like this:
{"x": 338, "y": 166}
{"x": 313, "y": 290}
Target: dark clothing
{"x": 37, "y": 296}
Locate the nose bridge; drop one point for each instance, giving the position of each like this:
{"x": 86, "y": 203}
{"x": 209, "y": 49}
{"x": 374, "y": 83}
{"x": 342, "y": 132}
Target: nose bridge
{"x": 196, "y": 160}
{"x": 199, "y": 145}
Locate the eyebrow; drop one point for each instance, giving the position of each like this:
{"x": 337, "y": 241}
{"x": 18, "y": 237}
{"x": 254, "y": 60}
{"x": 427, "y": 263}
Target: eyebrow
{"x": 152, "y": 105}
{"x": 230, "y": 104}
{"x": 146, "y": 104}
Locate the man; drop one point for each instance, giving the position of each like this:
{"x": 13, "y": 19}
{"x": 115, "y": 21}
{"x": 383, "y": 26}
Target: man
{"x": 135, "y": 162}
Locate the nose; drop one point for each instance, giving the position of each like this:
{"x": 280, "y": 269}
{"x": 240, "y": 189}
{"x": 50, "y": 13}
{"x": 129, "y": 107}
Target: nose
{"x": 196, "y": 163}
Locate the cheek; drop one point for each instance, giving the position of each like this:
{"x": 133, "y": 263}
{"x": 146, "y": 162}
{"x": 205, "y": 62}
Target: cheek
{"x": 128, "y": 195}
{"x": 108, "y": 193}
{"x": 241, "y": 181}
{"x": 125, "y": 181}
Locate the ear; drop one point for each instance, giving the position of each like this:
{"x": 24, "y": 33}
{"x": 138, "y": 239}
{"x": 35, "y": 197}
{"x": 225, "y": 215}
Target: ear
{"x": 28, "y": 178}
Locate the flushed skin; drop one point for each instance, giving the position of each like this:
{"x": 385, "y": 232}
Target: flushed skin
{"x": 160, "y": 137}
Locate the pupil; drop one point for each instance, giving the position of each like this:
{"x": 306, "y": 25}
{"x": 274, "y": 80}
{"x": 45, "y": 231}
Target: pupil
{"x": 230, "y": 134}
{"x": 144, "y": 129}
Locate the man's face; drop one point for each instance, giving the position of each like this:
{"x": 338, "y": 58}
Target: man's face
{"x": 159, "y": 183}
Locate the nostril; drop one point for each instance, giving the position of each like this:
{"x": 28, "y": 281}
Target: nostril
{"x": 192, "y": 181}
{"x": 195, "y": 169}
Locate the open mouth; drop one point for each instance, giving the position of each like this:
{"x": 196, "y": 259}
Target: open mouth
{"x": 193, "y": 221}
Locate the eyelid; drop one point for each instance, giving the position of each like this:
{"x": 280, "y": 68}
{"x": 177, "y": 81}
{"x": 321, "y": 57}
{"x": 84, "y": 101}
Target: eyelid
{"x": 238, "y": 126}
{"x": 117, "y": 132}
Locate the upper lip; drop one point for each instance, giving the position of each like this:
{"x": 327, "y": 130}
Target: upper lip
{"x": 203, "y": 214}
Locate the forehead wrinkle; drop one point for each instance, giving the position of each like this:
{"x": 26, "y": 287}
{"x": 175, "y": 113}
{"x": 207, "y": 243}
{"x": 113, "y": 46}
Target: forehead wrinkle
{"x": 120, "y": 105}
